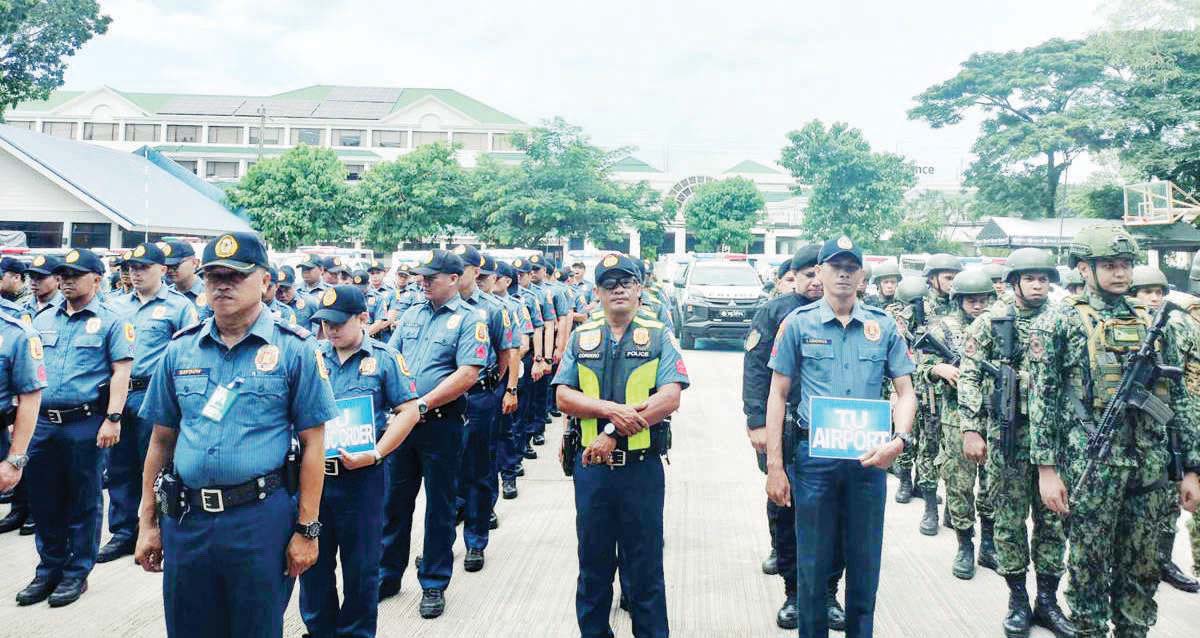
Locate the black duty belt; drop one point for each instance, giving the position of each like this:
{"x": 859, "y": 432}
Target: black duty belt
{"x": 621, "y": 458}
{"x": 137, "y": 384}
{"x": 488, "y": 381}
{"x": 218, "y": 499}
{"x": 61, "y": 416}
{"x": 451, "y": 410}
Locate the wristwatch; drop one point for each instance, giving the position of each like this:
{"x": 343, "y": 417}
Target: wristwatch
{"x": 610, "y": 429}
{"x": 18, "y": 461}
{"x": 378, "y": 457}
{"x": 512, "y": 391}
{"x": 311, "y": 531}
{"x": 422, "y": 407}
{"x": 539, "y": 359}
{"x": 905, "y": 438}
{"x": 115, "y": 417}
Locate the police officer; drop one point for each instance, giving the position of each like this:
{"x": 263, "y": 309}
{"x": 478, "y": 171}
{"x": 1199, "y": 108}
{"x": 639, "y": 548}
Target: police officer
{"x": 88, "y": 346}
{"x": 285, "y": 292}
{"x": 278, "y": 309}
{"x": 1000, "y": 337}
{"x": 511, "y": 442}
{"x": 885, "y": 276}
{"x": 619, "y": 379}
{"x": 43, "y": 284}
{"x": 312, "y": 271}
{"x": 446, "y": 345}
{"x": 1076, "y": 354}
{"x": 241, "y": 503}
{"x": 334, "y": 269}
{"x": 785, "y": 280}
{"x": 12, "y": 289}
{"x": 156, "y": 313}
{"x": 22, "y": 378}
{"x": 554, "y": 309}
{"x": 377, "y": 295}
{"x": 535, "y": 364}
{"x": 353, "y": 496}
{"x": 836, "y": 498}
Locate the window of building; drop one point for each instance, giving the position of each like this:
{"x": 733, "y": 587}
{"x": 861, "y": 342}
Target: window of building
{"x": 188, "y": 164}
{"x": 421, "y": 138}
{"x": 389, "y": 139}
{"x": 141, "y": 132}
{"x": 59, "y": 129}
{"x": 309, "y": 136}
{"x": 38, "y": 234}
{"x": 90, "y": 235}
{"x": 224, "y": 135}
{"x": 220, "y": 170}
{"x": 25, "y": 124}
{"x": 271, "y": 135}
{"x": 354, "y": 172}
{"x": 347, "y": 137}
{"x": 502, "y": 142}
{"x": 99, "y": 132}
{"x": 471, "y": 141}
{"x": 183, "y": 133}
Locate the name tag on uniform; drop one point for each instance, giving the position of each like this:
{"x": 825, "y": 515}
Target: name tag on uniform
{"x": 847, "y": 428}
{"x": 813, "y": 341}
{"x": 588, "y": 355}
{"x": 221, "y": 401}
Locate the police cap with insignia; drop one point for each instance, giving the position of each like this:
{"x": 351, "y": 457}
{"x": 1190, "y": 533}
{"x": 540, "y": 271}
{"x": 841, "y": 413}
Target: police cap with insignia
{"x": 838, "y": 247}
{"x": 439, "y": 261}
{"x": 537, "y": 262}
{"x": 403, "y": 268}
{"x": 376, "y": 266}
{"x": 241, "y": 251}
{"x": 287, "y": 276}
{"x": 43, "y": 265}
{"x": 334, "y": 264}
{"x": 340, "y": 303}
{"x": 521, "y": 265}
{"x": 361, "y": 277}
{"x": 147, "y": 254}
{"x": 177, "y": 251}
{"x": 312, "y": 261}
{"x": 274, "y": 272}
{"x": 505, "y": 269}
{"x": 616, "y": 265}
{"x": 12, "y": 264}
{"x": 80, "y": 261}
{"x": 469, "y": 255}
{"x": 490, "y": 266}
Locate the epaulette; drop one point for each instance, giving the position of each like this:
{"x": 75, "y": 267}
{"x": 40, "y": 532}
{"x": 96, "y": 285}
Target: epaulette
{"x": 298, "y": 330}
{"x": 648, "y": 323}
{"x": 875, "y": 309}
{"x": 190, "y": 329}
{"x": 594, "y": 323}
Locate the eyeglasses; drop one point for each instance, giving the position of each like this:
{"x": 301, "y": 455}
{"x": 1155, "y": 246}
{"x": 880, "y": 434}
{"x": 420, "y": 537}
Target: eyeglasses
{"x": 624, "y": 282}
{"x": 225, "y": 276}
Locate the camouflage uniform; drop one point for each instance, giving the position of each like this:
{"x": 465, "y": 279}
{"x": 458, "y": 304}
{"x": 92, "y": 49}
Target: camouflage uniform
{"x": 936, "y": 307}
{"x": 1115, "y": 519}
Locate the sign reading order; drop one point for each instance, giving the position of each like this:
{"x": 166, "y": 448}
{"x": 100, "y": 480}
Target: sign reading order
{"x": 354, "y": 428}
{"x": 847, "y": 428}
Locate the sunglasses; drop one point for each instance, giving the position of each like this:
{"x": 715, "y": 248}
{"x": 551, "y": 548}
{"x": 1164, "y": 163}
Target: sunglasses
{"x": 221, "y": 277}
{"x": 624, "y": 282}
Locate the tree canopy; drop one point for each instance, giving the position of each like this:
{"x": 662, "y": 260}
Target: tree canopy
{"x": 421, "y": 195}
{"x": 721, "y": 213}
{"x": 36, "y": 37}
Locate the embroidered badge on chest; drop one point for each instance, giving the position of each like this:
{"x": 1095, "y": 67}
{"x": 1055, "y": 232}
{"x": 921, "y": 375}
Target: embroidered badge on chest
{"x": 159, "y": 312}
{"x": 641, "y": 336}
{"x": 267, "y": 358}
{"x": 454, "y": 322}
{"x": 92, "y": 326}
{"x": 589, "y": 340}
{"x": 368, "y": 367}
{"x": 872, "y": 331}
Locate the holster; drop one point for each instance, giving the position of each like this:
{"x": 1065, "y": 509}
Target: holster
{"x": 168, "y": 493}
{"x": 571, "y": 447}
{"x": 292, "y": 467}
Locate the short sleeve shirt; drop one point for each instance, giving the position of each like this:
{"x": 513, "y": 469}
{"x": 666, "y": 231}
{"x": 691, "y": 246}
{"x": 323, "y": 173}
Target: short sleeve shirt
{"x": 374, "y": 370}
{"x": 80, "y": 350}
{"x": 22, "y": 360}
{"x": 436, "y": 342}
{"x": 154, "y": 321}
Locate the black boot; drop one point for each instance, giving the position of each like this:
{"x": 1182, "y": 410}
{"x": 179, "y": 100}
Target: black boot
{"x": 987, "y": 544}
{"x": 1169, "y": 572}
{"x": 837, "y": 615}
{"x": 964, "y": 560}
{"x": 789, "y": 615}
{"x": 929, "y": 522}
{"x": 14, "y": 519}
{"x": 905, "y": 493}
{"x": 1018, "y": 620}
{"x": 770, "y": 566}
{"x": 1046, "y": 612}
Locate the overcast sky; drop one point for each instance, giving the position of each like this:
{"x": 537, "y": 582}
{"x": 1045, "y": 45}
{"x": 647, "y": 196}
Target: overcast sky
{"x": 695, "y": 85}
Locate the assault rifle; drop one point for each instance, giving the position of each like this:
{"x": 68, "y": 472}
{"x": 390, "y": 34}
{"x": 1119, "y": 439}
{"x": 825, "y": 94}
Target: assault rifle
{"x": 930, "y": 344}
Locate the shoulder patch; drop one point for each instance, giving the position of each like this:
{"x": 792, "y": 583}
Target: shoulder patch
{"x": 295, "y": 329}
{"x": 752, "y": 340}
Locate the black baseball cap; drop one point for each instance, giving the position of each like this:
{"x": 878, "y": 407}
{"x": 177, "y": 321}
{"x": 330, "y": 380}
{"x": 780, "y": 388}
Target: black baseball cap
{"x": 176, "y": 251}
{"x": 44, "y": 265}
{"x": 439, "y": 261}
{"x": 334, "y": 264}
{"x": 241, "y": 251}
{"x": 312, "y": 261}
{"x": 616, "y": 264}
{"x": 12, "y": 264}
{"x": 537, "y": 261}
{"x": 339, "y": 303}
{"x": 505, "y": 269}
{"x": 489, "y": 266}
{"x": 376, "y": 266}
{"x": 361, "y": 277}
{"x": 806, "y": 257}
{"x": 469, "y": 255}
{"x": 78, "y": 261}
{"x": 287, "y": 276}
{"x": 521, "y": 265}
{"x": 274, "y": 272}
{"x": 840, "y": 246}
{"x": 147, "y": 254}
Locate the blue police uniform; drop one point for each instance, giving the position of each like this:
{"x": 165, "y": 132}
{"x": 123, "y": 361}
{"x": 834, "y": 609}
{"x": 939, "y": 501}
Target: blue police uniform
{"x": 283, "y": 312}
{"x": 435, "y": 343}
{"x": 16, "y": 311}
{"x": 619, "y": 509}
{"x": 224, "y": 569}
{"x": 508, "y": 452}
{"x": 64, "y": 462}
{"x": 196, "y": 294}
{"x": 33, "y": 307}
{"x": 154, "y": 320}
{"x": 523, "y": 421}
{"x": 837, "y": 498}
{"x": 21, "y": 372}
{"x": 540, "y": 392}
{"x": 352, "y": 501}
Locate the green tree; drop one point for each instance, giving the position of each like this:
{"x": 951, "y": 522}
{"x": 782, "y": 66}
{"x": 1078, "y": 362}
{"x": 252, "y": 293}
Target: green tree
{"x": 925, "y": 218}
{"x": 852, "y": 190}
{"x": 650, "y": 217}
{"x": 419, "y": 196}
{"x": 1040, "y": 115}
{"x": 721, "y": 213}
{"x": 35, "y": 38}
{"x": 297, "y": 198}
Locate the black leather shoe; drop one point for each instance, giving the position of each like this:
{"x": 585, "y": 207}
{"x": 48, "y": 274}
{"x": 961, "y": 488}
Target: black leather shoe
{"x": 68, "y": 591}
{"x": 28, "y": 528}
{"x": 388, "y": 588}
{"x": 433, "y": 603}
{"x": 837, "y": 615}
{"x": 13, "y": 520}
{"x": 493, "y": 521}
{"x": 529, "y": 453}
{"x": 114, "y": 549}
{"x": 473, "y": 561}
{"x": 789, "y": 615}
{"x": 770, "y": 566}
{"x": 36, "y": 591}
{"x": 521, "y": 468}
{"x": 508, "y": 489}
{"x": 539, "y": 439}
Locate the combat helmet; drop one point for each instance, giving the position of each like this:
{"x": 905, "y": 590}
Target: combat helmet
{"x": 971, "y": 282}
{"x": 1101, "y": 242}
{"x": 1023, "y": 260}
{"x": 940, "y": 262}
{"x": 910, "y": 289}
{"x": 997, "y": 272}
{"x": 884, "y": 270}
{"x": 1146, "y": 277}
{"x": 1073, "y": 278}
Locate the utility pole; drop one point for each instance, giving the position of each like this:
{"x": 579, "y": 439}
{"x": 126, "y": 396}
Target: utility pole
{"x": 262, "y": 126}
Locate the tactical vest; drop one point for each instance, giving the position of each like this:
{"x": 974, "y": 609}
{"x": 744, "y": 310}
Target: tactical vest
{"x": 626, "y": 374}
{"x": 1109, "y": 341}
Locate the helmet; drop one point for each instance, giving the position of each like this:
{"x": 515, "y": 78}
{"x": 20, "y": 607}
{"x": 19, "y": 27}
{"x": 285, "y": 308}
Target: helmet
{"x": 884, "y": 270}
{"x": 998, "y": 272}
{"x": 1024, "y": 260}
{"x": 1147, "y": 276}
{"x": 1073, "y": 278}
{"x": 941, "y": 261}
{"x": 1101, "y": 241}
{"x": 1194, "y": 276}
{"x": 971, "y": 282}
{"x": 910, "y": 289}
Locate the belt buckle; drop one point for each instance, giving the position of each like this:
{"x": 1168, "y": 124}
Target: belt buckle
{"x": 212, "y": 501}
{"x": 332, "y": 467}
{"x": 617, "y": 458}
{"x": 54, "y": 416}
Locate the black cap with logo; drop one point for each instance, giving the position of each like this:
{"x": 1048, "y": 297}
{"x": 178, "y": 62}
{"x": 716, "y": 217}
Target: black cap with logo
{"x": 312, "y": 261}
{"x": 505, "y": 269}
{"x": 43, "y": 265}
{"x": 287, "y": 276}
{"x": 615, "y": 265}
{"x": 521, "y": 265}
{"x": 837, "y": 247}
{"x": 147, "y": 255}
{"x": 376, "y": 266}
{"x": 78, "y": 261}
{"x": 12, "y": 264}
{"x": 469, "y": 255}
{"x": 361, "y": 277}
{"x": 340, "y": 303}
{"x": 439, "y": 261}
{"x": 240, "y": 251}
{"x": 176, "y": 251}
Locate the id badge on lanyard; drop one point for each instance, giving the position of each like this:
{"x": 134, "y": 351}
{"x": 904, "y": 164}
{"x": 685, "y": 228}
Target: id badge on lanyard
{"x": 222, "y": 400}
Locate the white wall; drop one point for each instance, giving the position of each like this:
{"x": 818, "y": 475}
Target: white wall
{"x": 28, "y": 196}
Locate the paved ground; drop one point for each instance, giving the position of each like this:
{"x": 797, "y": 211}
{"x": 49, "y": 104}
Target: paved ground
{"x": 715, "y": 538}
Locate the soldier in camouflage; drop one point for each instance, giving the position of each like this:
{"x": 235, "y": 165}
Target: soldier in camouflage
{"x": 1194, "y": 526}
{"x": 1076, "y": 357}
{"x": 1012, "y": 485}
{"x": 1073, "y": 282}
{"x": 908, "y": 290}
{"x": 972, "y": 292}
{"x": 885, "y": 276}
{"x": 999, "y": 274}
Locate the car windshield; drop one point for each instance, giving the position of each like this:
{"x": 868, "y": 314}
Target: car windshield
{"x": 724, "y": 276}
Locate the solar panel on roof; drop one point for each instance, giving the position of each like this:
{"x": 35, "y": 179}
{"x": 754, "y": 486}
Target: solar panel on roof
{"x": 353, "y": 110}
{"x": 279, "y": 108}
{"x": 363, "y": 94}
{"x": 202, "y": 105}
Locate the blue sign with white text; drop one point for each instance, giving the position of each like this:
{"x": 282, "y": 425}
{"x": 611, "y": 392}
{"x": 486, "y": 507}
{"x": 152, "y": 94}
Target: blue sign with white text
{"x": 354, "y": 428}
{"x": 847, "y": 428}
